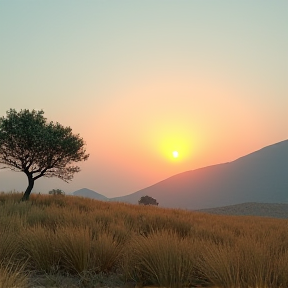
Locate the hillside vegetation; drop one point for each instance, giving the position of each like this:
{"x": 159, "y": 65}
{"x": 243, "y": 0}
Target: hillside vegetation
{"x": 275, "y": 210}
{"x": 88, "y": 241}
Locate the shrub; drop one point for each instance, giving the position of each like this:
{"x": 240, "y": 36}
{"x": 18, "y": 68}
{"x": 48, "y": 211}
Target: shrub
{"x": 147, "y": 200}
{"x": 56, "y": 192}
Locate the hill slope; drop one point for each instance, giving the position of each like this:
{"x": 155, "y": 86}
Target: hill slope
{"x": 261, "y": 176}
{"x": 275, "y": 210}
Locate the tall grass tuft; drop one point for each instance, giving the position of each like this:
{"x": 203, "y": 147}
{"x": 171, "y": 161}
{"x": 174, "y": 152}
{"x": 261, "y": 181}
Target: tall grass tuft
{"x": 12, "y": 275}
{"x": 9, "y": 246}
{"x": 246, "y": 263}
{"x": 41, "y": 246}
{"x": 220, "y": 264}
{"x": 75, "y": 247}
{"x": 162, "y": 258}
{"x": 106, "y": 251}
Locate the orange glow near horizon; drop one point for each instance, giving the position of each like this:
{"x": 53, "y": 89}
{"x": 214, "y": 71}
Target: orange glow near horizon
{"x": 140, "y": 139}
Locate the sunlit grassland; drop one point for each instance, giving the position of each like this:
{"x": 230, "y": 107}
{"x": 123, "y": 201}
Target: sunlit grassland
{"x": 65, "y": 235}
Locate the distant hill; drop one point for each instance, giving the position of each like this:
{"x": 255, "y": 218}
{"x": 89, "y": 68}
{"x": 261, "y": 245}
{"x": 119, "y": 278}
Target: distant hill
{"x": 275, "y": 210}
{"x": 90, "y": 194}
{"x": 261, "y": 176}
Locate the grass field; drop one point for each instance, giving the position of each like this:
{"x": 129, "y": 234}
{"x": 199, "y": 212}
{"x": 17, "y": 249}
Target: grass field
{"x": 66, "y": 241}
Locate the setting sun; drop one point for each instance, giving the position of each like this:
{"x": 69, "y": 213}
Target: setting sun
{"x": 173, "y": 142}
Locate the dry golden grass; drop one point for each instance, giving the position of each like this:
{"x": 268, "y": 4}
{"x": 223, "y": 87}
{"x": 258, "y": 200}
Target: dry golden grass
{"x": 56, "y": 235}
{"x": 12, "y": 275}
{"x": 37, "y": 242}
{"x": 163, "y": 258}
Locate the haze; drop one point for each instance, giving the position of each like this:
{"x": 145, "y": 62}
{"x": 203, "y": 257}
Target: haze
{"x": 141, "y": 79}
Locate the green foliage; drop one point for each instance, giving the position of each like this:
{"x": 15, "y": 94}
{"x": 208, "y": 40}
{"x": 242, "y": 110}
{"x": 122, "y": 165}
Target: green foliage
{"x": 56, "y": 192}
{"x": 147, "y": 200}
{"x": 30, "y": 144}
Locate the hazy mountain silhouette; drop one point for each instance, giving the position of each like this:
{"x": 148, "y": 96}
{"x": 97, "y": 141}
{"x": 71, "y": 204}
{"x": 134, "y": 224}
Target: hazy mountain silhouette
{"x": 261, "y": 176}
{"x": 90, "y": 194}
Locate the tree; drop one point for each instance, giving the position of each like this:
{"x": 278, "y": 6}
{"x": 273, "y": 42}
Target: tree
{"x": 30, "y": 144}
{"x": 147, "y": 200}
{"x": 56, "y": 192}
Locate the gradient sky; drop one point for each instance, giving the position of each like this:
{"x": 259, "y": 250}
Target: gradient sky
{"x": 140, "y": 79}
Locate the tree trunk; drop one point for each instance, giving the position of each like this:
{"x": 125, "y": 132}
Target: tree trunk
{"x": 29, "y": 188}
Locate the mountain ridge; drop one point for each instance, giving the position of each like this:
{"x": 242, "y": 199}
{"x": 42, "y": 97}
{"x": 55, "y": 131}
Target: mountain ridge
{"x": 88, "y": 193}
{"x": 260, "y": 176}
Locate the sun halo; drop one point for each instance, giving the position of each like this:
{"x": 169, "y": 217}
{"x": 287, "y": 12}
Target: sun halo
{"x": 175, "y": 154}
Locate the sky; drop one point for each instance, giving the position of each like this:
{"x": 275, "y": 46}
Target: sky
{"x": 141, "y": 79}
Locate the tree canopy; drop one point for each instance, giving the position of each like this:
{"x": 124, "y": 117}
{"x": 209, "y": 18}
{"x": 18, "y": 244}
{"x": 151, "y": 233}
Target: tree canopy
{"x": 31, "y": 144}
{"x": 147, "y": 200}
